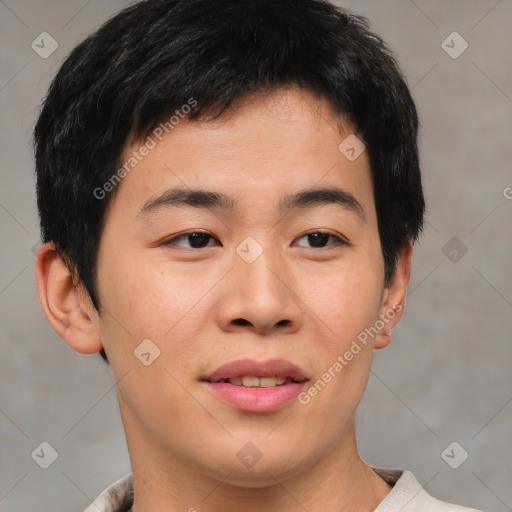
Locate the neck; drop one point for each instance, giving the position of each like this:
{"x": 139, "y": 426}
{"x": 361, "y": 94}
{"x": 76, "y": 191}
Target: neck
{"x": 336, "y": 479}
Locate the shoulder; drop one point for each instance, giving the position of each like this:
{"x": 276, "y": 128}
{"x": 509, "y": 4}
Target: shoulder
{"x": 408, "y": 495}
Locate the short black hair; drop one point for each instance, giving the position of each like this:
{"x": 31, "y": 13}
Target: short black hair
{"x": 150, "y": 59}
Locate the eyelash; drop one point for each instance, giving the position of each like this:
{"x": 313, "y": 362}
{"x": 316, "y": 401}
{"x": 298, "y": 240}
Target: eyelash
{"x": 339, "y": 241}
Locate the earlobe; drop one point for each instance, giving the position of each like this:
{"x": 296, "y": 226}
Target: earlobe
{"x": 61, "y": 302}
{"x": 393, "y": 303}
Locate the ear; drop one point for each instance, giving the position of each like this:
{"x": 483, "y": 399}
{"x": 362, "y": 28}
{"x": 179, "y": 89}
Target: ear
{"x": 393, "y": 301}
{"x": 68, "y": 311}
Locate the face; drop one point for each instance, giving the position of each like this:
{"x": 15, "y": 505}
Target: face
{"x": 261, "y": 279}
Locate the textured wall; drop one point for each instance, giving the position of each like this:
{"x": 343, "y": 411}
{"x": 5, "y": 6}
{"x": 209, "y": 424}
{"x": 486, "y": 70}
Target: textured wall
{"x": 446, "y": 377}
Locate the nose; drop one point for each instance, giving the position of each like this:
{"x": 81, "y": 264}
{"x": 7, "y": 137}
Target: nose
{"x": 259, "y": 296}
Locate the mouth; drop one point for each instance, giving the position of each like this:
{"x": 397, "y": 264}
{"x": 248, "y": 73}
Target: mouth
{"x": 251, "y": 381}
{"x": 256, "y": 386}
{"x": 254, "y": 373}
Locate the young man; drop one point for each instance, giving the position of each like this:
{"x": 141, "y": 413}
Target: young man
{"x": 229, "y": 192}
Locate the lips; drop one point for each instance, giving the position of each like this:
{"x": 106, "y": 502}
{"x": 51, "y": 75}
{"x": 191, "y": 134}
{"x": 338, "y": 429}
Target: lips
{"x": 280, "y": 368}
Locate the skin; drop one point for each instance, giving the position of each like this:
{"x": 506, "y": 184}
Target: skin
{"x": 300, "y": 302}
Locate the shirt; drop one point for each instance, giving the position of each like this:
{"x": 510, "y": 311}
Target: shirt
{"x": 407, "y": 495}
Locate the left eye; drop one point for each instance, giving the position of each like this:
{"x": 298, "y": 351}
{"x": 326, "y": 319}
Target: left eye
{"x": 200, "y": 239}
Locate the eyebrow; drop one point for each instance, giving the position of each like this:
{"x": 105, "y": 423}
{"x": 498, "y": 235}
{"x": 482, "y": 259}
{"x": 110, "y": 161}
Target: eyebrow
{"x": 180, "y": 197}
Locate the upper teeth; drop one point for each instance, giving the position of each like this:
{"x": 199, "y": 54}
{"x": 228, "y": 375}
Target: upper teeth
{"x": 263, "y": 382}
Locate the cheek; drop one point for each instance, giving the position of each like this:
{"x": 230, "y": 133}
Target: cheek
{"x": 346, "y": 306}
{"x": 346, "y": 300}
{"x": 163, "y": 307}
{"x": 162, "y": 303}
{"x": 150, "y": 297}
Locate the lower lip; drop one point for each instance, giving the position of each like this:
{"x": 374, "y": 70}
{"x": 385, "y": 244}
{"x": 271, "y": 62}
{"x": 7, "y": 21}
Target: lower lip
{"x": 256, "y": 399}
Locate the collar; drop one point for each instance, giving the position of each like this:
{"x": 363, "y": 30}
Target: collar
{"x": 118, "y": 497}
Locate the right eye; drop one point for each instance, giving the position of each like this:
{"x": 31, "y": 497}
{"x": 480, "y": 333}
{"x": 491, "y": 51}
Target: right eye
{"x": 197, "y": 239}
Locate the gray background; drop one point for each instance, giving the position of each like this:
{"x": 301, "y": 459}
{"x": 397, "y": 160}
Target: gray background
{"x": 446, "y": 377}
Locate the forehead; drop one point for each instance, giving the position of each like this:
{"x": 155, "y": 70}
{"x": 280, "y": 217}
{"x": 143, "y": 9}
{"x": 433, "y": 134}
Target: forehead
{"x": 267, "y": 148}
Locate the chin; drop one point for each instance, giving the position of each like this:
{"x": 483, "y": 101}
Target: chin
{"x": 258, "y": 473}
